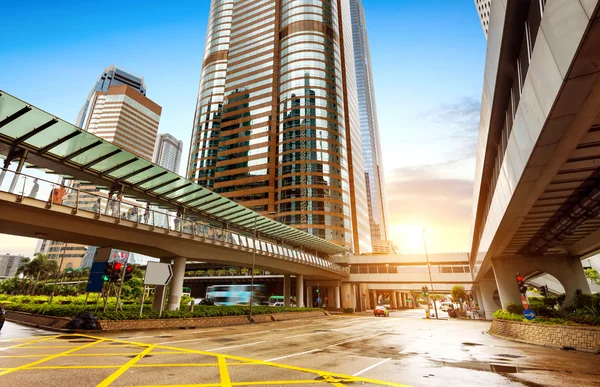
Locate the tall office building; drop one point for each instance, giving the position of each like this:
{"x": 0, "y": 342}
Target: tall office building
{"x": 277, "y": 125}
{"x": 483, "y": 10}
{"x": 117, "y": 110}
{"x": 112, "y": 76}
{"x": 167, "y": 152}
{"x": 369, "y": 129}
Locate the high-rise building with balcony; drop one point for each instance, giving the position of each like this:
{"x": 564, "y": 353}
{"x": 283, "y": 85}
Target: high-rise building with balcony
{"x": 167, "y": 152}
{"x": 277, "y": 125}
{"x": 483, "y": 10}
{"x": 369, "y": 129}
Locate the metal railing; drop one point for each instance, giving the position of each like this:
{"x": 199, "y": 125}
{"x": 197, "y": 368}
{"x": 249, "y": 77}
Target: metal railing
{"x": 98, "y": 202}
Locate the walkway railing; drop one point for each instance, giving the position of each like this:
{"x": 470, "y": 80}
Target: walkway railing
{"x": 82, "y": 197}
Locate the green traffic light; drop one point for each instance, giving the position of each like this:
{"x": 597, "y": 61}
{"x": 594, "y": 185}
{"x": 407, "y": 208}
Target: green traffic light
{"x": 317, "y": 290}
{"x": 105, "y": 278}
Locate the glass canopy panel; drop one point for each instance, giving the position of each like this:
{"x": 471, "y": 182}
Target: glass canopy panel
{"x": 187, "y": 191}
{"x": 235, "y": 210}
{"x": 158, "y": 181}
{"x": 94, "y": 153}
{"x": 170, "y": 186}
{"x": 57, "y": 131}
{"x": 73, "y": 145}
{"x": 9, "y": 105}
{"x": 209, "y": 207}
{"x": 112, "y": 161}
{"x": 155, "y": 170}
{"x": 25, "y": 123}
{"x": 129, "y": 168}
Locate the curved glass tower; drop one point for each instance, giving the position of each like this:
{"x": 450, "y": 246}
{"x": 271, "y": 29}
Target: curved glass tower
{"x": 277, "y": 124}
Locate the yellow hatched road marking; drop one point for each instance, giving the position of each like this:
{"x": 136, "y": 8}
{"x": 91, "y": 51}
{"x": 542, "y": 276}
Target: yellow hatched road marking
{"x": 112, "y": 377}
{"x": 27, "y": 343}
{"x": 48, "y": 358}
{"x": 224, "y": 372}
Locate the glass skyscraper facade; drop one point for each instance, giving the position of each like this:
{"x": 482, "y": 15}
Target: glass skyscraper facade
{"x": 167, "y": 152}
{"x": 369, "y": 129}
{"x": 277, "y": 126}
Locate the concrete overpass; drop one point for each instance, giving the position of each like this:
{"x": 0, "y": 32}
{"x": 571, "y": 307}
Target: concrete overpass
{"x": 537, "y": 190}
{"x": 207, "y": 226}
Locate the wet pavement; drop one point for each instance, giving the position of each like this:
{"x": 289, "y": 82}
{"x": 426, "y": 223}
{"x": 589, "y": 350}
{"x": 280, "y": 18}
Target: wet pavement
{"x": 403, "y": 349}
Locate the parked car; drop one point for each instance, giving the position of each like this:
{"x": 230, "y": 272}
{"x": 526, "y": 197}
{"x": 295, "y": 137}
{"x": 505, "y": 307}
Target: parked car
{"x": 444, "y": 306}
{"x": 278, "y": 304}
{"x": 207, "y": 302}
{"x": 381, "y": 310}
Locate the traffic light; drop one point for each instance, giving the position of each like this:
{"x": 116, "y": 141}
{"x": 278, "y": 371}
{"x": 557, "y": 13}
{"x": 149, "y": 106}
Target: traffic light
{"x": 128, "y": 274}
{"x": 425, "y": 290}
{"x": 544, "y": 290}
{"x": 317, "y": 290}
{"x": 116, "y": 272}
{"x": 470, "y": 297}
{"x": 107, "y": 272}
{"x": 521, "y": 283}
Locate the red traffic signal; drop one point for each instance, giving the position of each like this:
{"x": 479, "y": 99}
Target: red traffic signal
{"x": 520, "y": 278}
{"x": 129, "y": 269}
{"x": 118, "y": 266}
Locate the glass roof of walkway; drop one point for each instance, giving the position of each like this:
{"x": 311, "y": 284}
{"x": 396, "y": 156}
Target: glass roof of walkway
{"x": 25, "y": 126}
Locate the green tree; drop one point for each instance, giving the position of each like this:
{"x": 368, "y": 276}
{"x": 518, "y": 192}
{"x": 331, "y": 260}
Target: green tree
{"x": 458, "y": 293}
{"x": 593, "y": 275}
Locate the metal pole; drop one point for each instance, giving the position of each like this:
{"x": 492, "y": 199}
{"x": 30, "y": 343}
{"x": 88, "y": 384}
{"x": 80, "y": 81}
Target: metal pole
{"x": 429, "y": 270}
{"x": 162, "y": 303}
{"x": 143, "y": 298}
{"x": 252, "y": 274}
{"x": 87, "y": 294}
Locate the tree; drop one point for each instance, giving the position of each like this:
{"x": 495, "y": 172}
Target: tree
{"x": 458, "y": 293}
{"x": 593, "y": 275}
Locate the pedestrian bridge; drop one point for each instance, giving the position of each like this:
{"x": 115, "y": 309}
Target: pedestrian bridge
{"x": 125, "y": 202}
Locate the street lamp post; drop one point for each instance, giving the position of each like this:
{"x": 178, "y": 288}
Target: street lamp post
{"x": 253, "y": 260}
{"x": 429, "y": 270}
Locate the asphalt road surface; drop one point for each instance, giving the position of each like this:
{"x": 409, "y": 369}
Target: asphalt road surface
{"x": 403, "y": 349}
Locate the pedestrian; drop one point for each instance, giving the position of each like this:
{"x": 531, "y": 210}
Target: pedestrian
{"x": 34, "y": 189}
{"x": 134, "y": 213}
{"x": 96, "y": 207}
{"x": 147, "y": 213}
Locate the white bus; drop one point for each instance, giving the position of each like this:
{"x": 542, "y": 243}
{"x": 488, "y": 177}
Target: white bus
{"x": 227, "y": 295}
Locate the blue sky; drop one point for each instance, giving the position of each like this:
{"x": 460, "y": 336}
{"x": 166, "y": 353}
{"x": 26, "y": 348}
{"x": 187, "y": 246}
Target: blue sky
{"x": 427, "y": 59}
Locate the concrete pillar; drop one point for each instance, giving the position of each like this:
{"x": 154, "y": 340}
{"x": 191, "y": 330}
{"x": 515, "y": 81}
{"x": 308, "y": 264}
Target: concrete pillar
{"x": 159, "y": 291}
{"x": 176, "y": 287}
{"x": 287, "y": 290}
{"x": 507, "y": 283}
{"x": 347, "y": 295}
{"x": 309, "y": 297}
{"x": 404, "y": 302}
{"x": 336, "y": 296}
{"x": 300, "y": 291}
{"x": 394, "y": 300}
{"x": 487, "y": 288}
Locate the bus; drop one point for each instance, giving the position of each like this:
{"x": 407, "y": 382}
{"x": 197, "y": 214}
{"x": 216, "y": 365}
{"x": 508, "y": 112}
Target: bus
{"x": 186, "y": 291}
{"x": 227, "y": 295}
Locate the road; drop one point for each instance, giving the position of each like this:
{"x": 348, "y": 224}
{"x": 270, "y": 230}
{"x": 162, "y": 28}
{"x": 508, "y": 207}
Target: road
{"x": 403, "y": 349}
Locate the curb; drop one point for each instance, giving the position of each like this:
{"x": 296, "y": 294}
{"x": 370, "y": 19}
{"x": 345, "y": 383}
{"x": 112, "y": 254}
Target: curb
{"x": 597, "y": 352}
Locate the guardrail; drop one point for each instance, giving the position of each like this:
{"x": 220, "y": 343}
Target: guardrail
{"x": 80, "y": 197}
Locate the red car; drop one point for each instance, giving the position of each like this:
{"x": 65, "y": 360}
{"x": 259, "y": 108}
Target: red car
{"x": 381, "y": 310}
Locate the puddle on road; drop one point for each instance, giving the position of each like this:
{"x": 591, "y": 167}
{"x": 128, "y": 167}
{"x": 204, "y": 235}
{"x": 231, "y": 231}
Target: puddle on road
{"x": 76, "y": 339}
{"x": 510, "y": 356}
{"x": 471, "y": 344}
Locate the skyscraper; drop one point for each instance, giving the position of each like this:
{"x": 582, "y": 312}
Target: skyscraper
{"x": 369, "y": 129}
{"x": 483, "y": 10}
{"x": 117, "y": 110}
{"x": 112, "y": 76}
{"x": 277, "y": 125}
{"x": 167, "y": 152}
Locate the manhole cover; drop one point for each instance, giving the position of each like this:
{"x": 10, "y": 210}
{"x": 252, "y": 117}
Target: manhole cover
{"x": 322, "y": 330}
{"x": 69, "y": 337}
{"x": 471, "y": 344}
{"x": 164, "y": 336}
{"x": 510, "y": 356}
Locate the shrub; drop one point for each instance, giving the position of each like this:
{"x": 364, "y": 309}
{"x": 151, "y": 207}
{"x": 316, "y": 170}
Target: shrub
{"x": 502, "y": 314}
{"x": 515, "y": 308}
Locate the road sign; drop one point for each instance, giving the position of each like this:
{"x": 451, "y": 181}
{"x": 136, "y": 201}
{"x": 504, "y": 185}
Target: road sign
{"x": 158, "y": 273}
{"x": 95, "y": 281}
{"x": 529, "y": 314}
{"x": 318, "y": 300}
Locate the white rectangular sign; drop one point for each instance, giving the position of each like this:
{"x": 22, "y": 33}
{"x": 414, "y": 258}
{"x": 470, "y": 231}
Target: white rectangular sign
{"x": 158, "y": 273}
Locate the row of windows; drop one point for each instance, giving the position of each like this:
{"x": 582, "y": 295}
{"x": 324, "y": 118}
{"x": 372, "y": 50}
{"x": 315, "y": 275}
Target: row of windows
{"x": 392, "y": 269}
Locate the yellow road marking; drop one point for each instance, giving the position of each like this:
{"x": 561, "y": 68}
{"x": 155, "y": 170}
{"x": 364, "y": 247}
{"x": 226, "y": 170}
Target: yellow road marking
{"x": 48, "y": 358}
{"x": 71, "y": 367}
{"x": 27, "y": 343}
{"x": 93, "y": 354}
{"x": 112, "y": 377}
{"x": 224, "y": 372}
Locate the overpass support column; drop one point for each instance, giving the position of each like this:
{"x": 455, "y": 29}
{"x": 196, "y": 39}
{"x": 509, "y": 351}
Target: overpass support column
{"x": 159, "y": 291}
{"x": 347, "y": 295}
{"x": 489, "y": 306}
{"x": 287, "y": 290}
{"x": 394, "y": 300}
{"x": 363, "y": 294}
{"x": 309, "y": 296}
{"x": 404, "y": 302}
{"x": 506, "y": 280}
{"x": 300, "y": 290}
{"x": 336, "y": 294}
{"x": 176, "y": 284}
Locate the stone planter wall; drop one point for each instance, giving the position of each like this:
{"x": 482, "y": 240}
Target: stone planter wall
{"x": 38, "y": 319}
{"x": 582, "y": 338}
{"x": 206, "y": 322}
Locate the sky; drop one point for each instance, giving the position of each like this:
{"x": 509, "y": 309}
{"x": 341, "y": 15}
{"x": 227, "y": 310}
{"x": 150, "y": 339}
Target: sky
{"x": 427, "y": 60}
